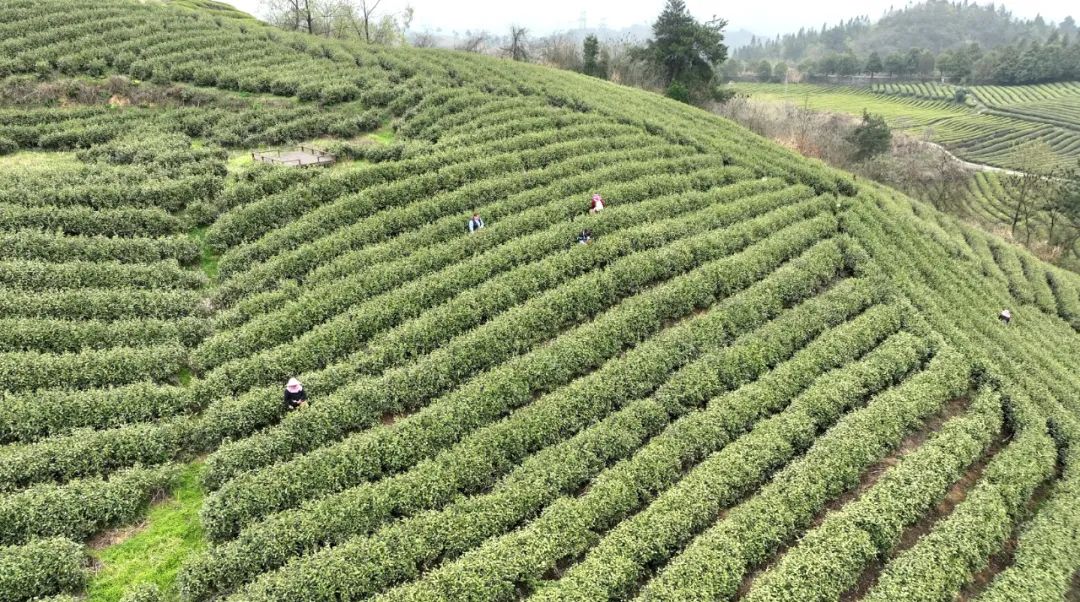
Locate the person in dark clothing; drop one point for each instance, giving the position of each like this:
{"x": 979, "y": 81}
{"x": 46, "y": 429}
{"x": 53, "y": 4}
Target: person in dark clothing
{"x": 1005, "y": 316}
{"x": 585, "y": 237}
{"x": 295, "y": 396}
{"x": 475, "y": 223}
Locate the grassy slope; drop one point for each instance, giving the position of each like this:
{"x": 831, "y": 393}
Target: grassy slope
{"x": 156, "y": 550}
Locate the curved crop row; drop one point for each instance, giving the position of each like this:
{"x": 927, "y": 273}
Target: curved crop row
{"x": 79, "y": 509}
{"x": 59, "y": 336}
{"x": 324, "y": 521}
{"x": 33, "y": 245}
{"x": 40, "y": 568}
{"x": 624, "y": 557}
{"x": 39, "y": 276}
{"x": 92, "y": 368}
{"x": 36, "y": 415}
{"x": 829, "y": 559}
{"x": 320, "y": 306}
{"x": 102, "y": 304}
{"x": 736, "y": 272}
{"x": 831, "y": 466}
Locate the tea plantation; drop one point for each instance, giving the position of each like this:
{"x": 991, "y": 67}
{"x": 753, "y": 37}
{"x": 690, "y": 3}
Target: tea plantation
{"x": 761, "y": 379}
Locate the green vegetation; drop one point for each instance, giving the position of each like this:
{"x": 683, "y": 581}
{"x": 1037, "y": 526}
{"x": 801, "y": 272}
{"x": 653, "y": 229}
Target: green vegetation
{"x": 154, "y": 552}
{"x": 993, "y": 127}
{"x": 756, "y": 361}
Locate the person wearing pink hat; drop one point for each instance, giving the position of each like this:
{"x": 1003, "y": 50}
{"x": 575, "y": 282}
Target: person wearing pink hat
{"x": 597, "y": 204}
{"x": 295, "y": 396}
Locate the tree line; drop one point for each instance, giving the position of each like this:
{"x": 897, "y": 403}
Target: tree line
{"x": 1055, "y": 59}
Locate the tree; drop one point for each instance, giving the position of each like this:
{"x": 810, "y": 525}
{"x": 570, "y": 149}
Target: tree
{"x": 685, "y": 50}
{"x": 474, "y": 41}
{"x": 780, "y": 72}
{"x": 516, "y": 50}
{"x": 1029, "y": 183}
{"x": 896, "y": 64}
{"x": 367, "y": 10}
{"x": 871, "y": 137}
{"x": 592, "y": 63}
{"x": 847, "y": 65}
{"x": 764, "y": 71}
{"x": 874, "y": 64}
{"x": 1062, "y": 200}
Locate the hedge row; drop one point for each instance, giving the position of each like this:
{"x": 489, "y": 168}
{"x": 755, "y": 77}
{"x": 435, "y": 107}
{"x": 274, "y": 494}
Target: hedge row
{"x": 312, "y": 315}
{"x": 500, "y": 337}
{"x": 441, "y": 244}
{"x": 107, "y": 304}
{"x": 463, "y": 412}
{"x": 551, "y": 163}
{"x": 754, "y": 353}
{"x": 471, "y": 308}
{"x": 750, "y": 532}
{"x": 86, "y": 453}
{"x": 1066, "y": 289}
{"x": 169, "y": 194}
{"x": 260, "y": 181}
{"x": 40, "y": 276}
{"x": 35, "y": 415}
{"x": 495, "y": 570}
{"x": 83, "y": 221}
{"x": 624, "y": 557}
{"x": 59, "y": 336}
{"x": 1035, "y": 273}
{"x": 324, "y": 344}
{"x": 34, "y": 245}
{"x": 960, "y": 545}
{"x": 41, "y": 568}
{"x": 436, "y": 482}
{"x": 1048, "y": 551}
{"x": 440, "y": 171}
{"x": 1009, "y": 262}
{"x": 92, "y": 368}
{"x": 831, "y": 558}
{"x": 79, "y": 509}
{"x": 448, "y": 211}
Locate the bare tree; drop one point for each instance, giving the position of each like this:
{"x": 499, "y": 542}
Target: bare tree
{"x": 517, "y": 49}
{"x": 1029, "y": 182}
{"x": 559, "y": 50}
{"x": 474, "y": 41}
{"x": 424, "y": 39}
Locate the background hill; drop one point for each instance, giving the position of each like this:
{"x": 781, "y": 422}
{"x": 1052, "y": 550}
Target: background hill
{"x": 935, "y": 25}
{"x": 759, "y": 367}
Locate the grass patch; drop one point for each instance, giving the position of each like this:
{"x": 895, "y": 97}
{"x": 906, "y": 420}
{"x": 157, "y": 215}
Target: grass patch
{"x": 239, "y": 160}
{"x": 208, "y": 259}
{"x": 383, "y": 135}
{"x": 39, "y": 160}
{"x": 170, "y": 533}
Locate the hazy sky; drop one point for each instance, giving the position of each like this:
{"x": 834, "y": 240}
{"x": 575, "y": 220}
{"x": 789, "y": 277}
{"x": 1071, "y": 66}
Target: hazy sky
{"x": 765, "y": 17}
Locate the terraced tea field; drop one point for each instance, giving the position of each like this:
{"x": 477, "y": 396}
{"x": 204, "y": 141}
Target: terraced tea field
{"x": 994, "y": 126}
{"x": 760, "y": 380}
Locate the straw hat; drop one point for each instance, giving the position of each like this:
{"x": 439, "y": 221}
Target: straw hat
{"x": 294, "y": 386}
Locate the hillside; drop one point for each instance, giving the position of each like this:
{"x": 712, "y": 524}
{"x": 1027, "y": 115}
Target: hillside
{"x": 762, "y": 379}
{"x": 936, "y": 25}
{"x": 1013, "y": 128}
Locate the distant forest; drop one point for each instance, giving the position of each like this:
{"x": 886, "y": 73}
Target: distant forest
{"x": 959, "y": 42}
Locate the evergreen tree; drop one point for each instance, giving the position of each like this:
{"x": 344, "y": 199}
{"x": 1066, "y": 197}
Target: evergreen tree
{"x": 685, "y": 50}
{"x": 874, "y": 65}
{"x": 593, "y": 65}
{"x": 764, "y": 71}
{"x": 871, "y": 137}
